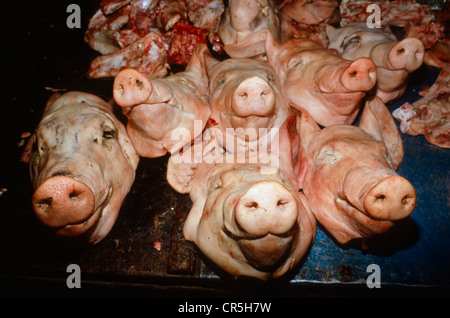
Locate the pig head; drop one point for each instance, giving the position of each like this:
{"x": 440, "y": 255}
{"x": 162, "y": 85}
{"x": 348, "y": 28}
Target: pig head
{"x": 246, "y": 104}
{"x": 155, "y": 107}
{"x": 244, "y": 17}
{"x": 349, "y": 174}
{"x": 311, "y": 12}
{"x": 249, "y": 220}
{"x": 82, "y": 166}
{"x": 315, "y": 79}
{"x": 394, "y": 60}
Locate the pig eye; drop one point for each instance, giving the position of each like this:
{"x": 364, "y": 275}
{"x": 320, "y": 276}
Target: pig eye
{"x": 109, "y": 133}
{"x": 352, "y": 41}
{"x": 327, "y": 156}
{"x": 217, "y": 185}
{"x": 295, "y": 62}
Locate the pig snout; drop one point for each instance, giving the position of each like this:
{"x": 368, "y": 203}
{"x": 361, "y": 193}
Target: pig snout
{"x": 407, "y": 54}
{"x": 393, "y": 198}
{"x": 266, "y": 207}
{"x": 253, "y": 96}
{"x": 131, "y": 88}
{"x": 61, "y": 201}
{"x": 359, "y": 76}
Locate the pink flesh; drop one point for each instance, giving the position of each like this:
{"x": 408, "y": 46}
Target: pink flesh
{"x": 359, "y": 76}
{"x": 266, "y": 207}
{"x": 407, "y": 54}
{"x": 61, "y": 200}
{"x": 393, "y": 198}
{"x": 131, "y": 88}
{"x": 253, "y": 96}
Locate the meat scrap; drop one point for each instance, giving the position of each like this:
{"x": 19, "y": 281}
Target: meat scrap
{"x": 395, "y": 13}
{"x": 149, "y": 35}
{"x": 430, "y": 115}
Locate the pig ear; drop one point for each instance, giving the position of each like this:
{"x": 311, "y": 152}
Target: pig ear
{"x": 251, "y": 46}
{"x": 180, "y": 172}
{"x": 326, "y": 32}
{"x": 308, "y": 128}
{"x": 210, "y": 62}
{"x": 378, "y": 122}
{"x": 127, "y": 146}
{"x": 271, "y": 46}
{"x": 197, "y": 63}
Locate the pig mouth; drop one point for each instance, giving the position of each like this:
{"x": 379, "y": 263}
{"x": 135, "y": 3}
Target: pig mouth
{"x": 245, "y": 236}
{"x": 368, "y": 224}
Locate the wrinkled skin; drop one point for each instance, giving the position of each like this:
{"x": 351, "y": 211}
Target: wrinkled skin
{"x": 315, "y": 79}
{"x": 245, "y": 101}
{"x": 395, "y": 60}
{"x": 82, "y": 166}
{"x": 155, "y": 107}
{"x": 349, "y": 178}
{"x": 312, "y": 12}
{"x": 244, "y": 17}
{"x": 249, "y": 220}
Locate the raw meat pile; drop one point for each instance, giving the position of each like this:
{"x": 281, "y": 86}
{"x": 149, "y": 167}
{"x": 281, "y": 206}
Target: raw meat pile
{"x": 263, "y": 138}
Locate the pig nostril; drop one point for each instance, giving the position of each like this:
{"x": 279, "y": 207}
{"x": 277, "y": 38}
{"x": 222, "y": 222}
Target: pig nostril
{"x": 252, "y": 205}
{"x": 281, "y": 203}
{"x": 353, "y": 74}
{"x": 244, "y": 95}
{"x": 73, "y": 194}
{"x": 380, "y": 197}
{"x": 405, "y": 199}
{"x": 45, "y": 202}
{"x": 400, "y": 51}
{"x": 139, "y": 84}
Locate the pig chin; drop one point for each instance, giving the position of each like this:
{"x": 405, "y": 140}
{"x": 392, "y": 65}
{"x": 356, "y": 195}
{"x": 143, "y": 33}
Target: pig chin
{"x": 268, "y": 253}
{"x": 265, "y": 252}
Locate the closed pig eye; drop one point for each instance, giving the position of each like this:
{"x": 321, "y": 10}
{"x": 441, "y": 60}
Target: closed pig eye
{"x": 109, "y": 134}
{"x": 327, "y": 155}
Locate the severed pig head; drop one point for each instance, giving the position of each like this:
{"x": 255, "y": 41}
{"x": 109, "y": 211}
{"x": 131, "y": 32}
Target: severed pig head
{"x": 349, "y": 174}
{"x": 311, "y": 11}
{"x": 249, "y": 219}
{"x": 82, "y": 166}
{"x": 318, "y": 81}
{"x": 246, "y": 104}
{"x": 155, "y": 107}
{"x": 394, "y": 60}
{"x": 241, "y": 19}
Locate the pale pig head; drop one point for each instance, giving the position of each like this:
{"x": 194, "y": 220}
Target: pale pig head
{"x": 248, "y": 218}
{"x": 349, "y": 177}
{"x": 246, "y": 103}
{"x": 244, "y": 17}
{"x": 394, "y": 60}
{"x": 247, "y": 222}
{"x": 82, "y": 165}
{"x": 155, "y": 107}
{"x": 311, "y": 11}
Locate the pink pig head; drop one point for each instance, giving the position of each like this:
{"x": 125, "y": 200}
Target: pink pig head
{"x": 155, "y": 107}
{"x": 315, "y": 79}
{"x": 247, "y": 218}
{"x": 394, "y": 60}
{"x": 349, "y": 174}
